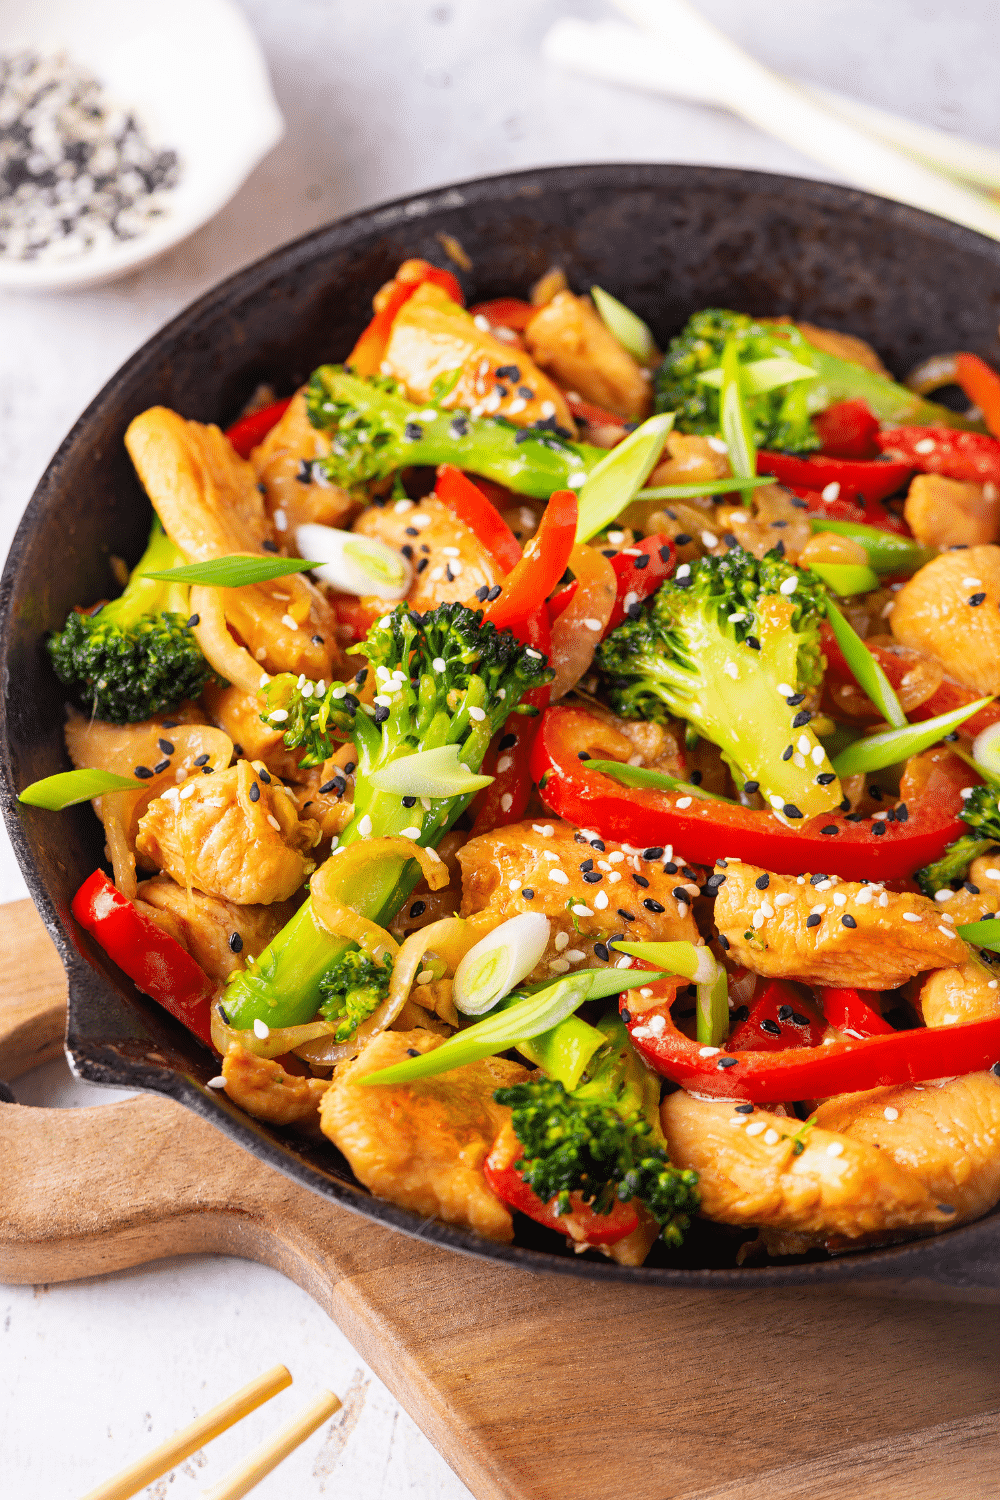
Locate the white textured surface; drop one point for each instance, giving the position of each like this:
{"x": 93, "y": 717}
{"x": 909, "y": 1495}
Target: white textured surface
{"x": 380, "y": 99}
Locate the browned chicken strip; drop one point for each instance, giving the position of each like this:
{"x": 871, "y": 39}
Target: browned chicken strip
{"x": 588, "y": 893}
{"x": 932, "y": 613}
{"x": 947, "y": 513}
{"x": 569, "y": 339}
{"x": 295, "y": 492}
{"x": 207, "y": 926}
{"x": 265, "y": 1090}
{"x": 422, "y": 1145}
{"x": 866, "y": 937}
{"x": 448, "y": 561}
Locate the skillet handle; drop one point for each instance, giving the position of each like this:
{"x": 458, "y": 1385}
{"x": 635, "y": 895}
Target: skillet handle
{"x": 32, "y": 992}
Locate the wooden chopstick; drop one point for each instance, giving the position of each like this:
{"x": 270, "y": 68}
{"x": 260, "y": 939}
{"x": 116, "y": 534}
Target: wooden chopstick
{"x": 243, "y": 1478}
{"x": 191, "y": 1438}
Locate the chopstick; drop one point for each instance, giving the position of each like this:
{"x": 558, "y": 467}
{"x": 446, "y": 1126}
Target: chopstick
{"x": 678, "y": 52}
{"x": 192, "y": 1437}
{"x": 243, "y": 1478}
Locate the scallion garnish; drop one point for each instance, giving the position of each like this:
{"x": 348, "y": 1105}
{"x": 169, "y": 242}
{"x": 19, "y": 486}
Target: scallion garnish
{"x": 737, "y": 430}
{"x": 694, "y": 963}
{"x": 887, "y": 553}
{"x": 887, "y": 748}
{"x": 627, "y": 327}
{"x": 617, "y": 479}
{"x": 846, "y": 579}
{"x": 865, "y": 670}
{"x": 707, "y": 487}
{"x": 499, "y": 962}
{"x": 428, "y": 773}
{"x": 981, "y": 934}
{"x": 642, "y": 776}
{"x": 355, "y": 564}
{"x": 759, "y": 376}
{"x": 71, "y": 787}
{"x": 234, "y": 572}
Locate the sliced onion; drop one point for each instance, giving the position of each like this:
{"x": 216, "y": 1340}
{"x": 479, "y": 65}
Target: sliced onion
{"x": 497, "y": 963}
{"x": 931, "y": 374}
{"x": 577, "y": 631}
{"x": 223, "y": 655}
{"x": 355, "y": 564}
{"x": 272, "y": 1042}
{"x": 430, "y": 773}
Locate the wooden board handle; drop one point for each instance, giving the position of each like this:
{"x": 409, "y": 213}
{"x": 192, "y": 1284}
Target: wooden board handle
{"x": 32, "y": 992}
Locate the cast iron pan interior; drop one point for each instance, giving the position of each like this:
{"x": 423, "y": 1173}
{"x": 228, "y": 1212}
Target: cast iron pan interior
{"x": 667, "y": 240}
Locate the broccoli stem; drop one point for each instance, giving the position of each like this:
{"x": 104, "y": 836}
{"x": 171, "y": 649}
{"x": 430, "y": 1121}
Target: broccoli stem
{"x": 842, "y": 380}
{"x": 379, "y": 432}
{"x": 151, "y": 596}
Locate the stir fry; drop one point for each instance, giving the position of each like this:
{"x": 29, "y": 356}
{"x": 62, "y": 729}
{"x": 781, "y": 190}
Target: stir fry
{"x": 565, "y": 774}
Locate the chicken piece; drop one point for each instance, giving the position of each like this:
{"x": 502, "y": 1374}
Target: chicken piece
{"x": 207, "y": 926}
{"x": 982, "y": 900}
{"x": 950, "y": 997}
{"x": 933, "y": 614}
{"x": 948, "y": 513}
{"x": 841, "y": 345}
{"x": 207, "y": 498}
{"x": 568, "y": 338}
{"x": 867, "y": 938}
{"x": 238, "y": 713}
{"x": 660, "y": 746}
{"x": 292, "y": 492}
{"x": 326, "y": 793}
{"x": 432, "y": 338}
{"x": 836, "y": 1185}
{"x": 422, "y": 1145}
{"x": 685, "y": 521}
{"x": 690, "y": 459}
{"x": 265, "y": 1090}
{"x": 775, "y": 518}
{"x": 944, "y": 1134}
{"x": 630, "y": 894}
{"x": 449, "y": 562}
{"x": 213, "y": 835}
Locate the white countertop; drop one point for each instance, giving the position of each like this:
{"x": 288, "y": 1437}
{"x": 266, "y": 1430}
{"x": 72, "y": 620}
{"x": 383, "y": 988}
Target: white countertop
{"x": 380, "y": 99}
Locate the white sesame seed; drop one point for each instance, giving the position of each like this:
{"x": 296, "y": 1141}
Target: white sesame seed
{"x": 624, "y": 962}
{"x": 771, "y": 1137}
{"x": 890, "y": 1113}
{"x": 926, "y": 445}
{"x": 592, "y": 624}
{"x": 684, "y": 570}
{"x": 274, "y": 822}
{"x": 646, "y": 992}
{"x": 506, "y": 802}
{"x": 409, "y": 833}
{"x": 559, "y": 965}
{"x": 535, "y": 655}
{"x": 365, "y": 826}
{"x": 450, "y": 552}
{"x": 260, "y": 653}
{"x": 217, "y": 1083}
{"x": 758, "y": 919}
{"x": 823, "y": 885}
{"x": 576, "y": 481}
{"x": 616, "y": 857}
{"x": 734, "y": 619}
{"x": 504, "y": 764}
{"x": 757, "y": 1128}
{"x": 731, "y": 670}
{"x": 477, "y": 715}
{"x": 709, "y": 540}
{"x": 776, "y": 801}
{"x": 278, "y": 715}
{"x": 188, "y": 791}
{"x": 261, "y": 1030}
{"x": 831, "y": 491}
{"x": 835, "y": 1148}
{"x": 581, "y": 911}
{"x": 883, "y": 900}
{"x": 517, "y": 405}
{"x": 515, "y": 884}
{"x": 788, "y": 587}
{"x": 420, "y": 521}
{"x": 548, "y": 408}
{"x": 817, "y": 911}
{"x": 559, "y": 876}
{"x": 576, "y": 954}
{"x": 616, "y": 538}
{"x": 718, "y": 445}
{"x": 547, "y": 854}
{"x": 783, "y": 687}
{"x": 803, "y": 744}
{"x": 839, "y": 899}
{"x": 482, "y": 323}
{"x": 708, "y": 1051}
{"x": 947, "y": 932}
{"x": 289, "y": 622}
{"x": 600, "y": 902}
{"x": 911, "y": 916}
{"x": 562, "y": 941}
{"x": 765, "y": 907}
{"x": 992, "y": 874}
{"x": 864, "y": 896}
{"x": 783, "y": 900}
{"x": 402, "y": 506}
{"x": 602, "y": 864}
{"x": 614, "y": 877}
{"x": 683, "y": 802}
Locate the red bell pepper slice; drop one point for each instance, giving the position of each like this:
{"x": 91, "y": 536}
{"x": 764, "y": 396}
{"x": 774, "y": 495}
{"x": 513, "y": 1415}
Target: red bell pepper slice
{"x": 148, "y": 955}
{"x": 583, "y": 1223}
{"x": 812, "y": 1072}
{"x": 982, "y": 386}
{"x": 467, "y": 501}
{"x": 505, "y": 312}
{"x": 637, "y": 577}
{"x": 971, "y": 456}
{"x": 594, "y": 416}
{"x": 857, "y": 480}
{"x": 253, "y": 429}
{"x": 706, "y": 830}
{"x": 854, "y": 1011}
{"x": 847, "y": 430}
{"x": 368, "y": 353}
{"x": 542, "y": 565}
{"x": 775, "y": 1023}
{"x": 509, "y": 757}
{"x": 356, "y": 616}
{"x": 872, "y": 513}
{"x": 946, "y": 696}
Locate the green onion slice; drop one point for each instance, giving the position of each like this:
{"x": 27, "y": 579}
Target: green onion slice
{"x": 846, "y": 578}
{"x": 986, "y": 752}
{"x": 628, "y": 328}
{"x": 865, "y": 670}
{"x": 887, "y": 553}
{"x": 696, "y": 964}
{"x": 428, "y": 773}
{"x": 70, "y": 787}
{"x": 892, "y": 745}
{"x": 499, "y": 961}
{"x": 736, "y": 426}
{"x": 709, "y": 487}
{"x": 234, "y": 572}
{"x": 762, "y": 375}
{"x": 642, "y": 776}
{"x": 617, "y": 479}
{"x": 355, "y": 564}
{"x": 712, "y": 1010}
{"x": 981, "y": 934}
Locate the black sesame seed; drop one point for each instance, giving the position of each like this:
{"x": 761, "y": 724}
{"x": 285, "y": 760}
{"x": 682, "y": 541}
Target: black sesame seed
{"x": 459, "y": 426}
{"x": 830, "y": 828}
{"x": 413, "y": 432}
{"x": 328, "y": 786}
{"x": 799, "y": 1020}
{"x": 161, "y": 765}
{"x": 597, "y": 844}
{"x": 751, "y": 786}
{"x": 878, "y": 827}
{"x": 413, "y": 1051}
{"x": 641, "y": 880}
{"x": 790, "y": 810}
{"x": 902, "y": 812}
{"x": 762, "y": 882}
{"x": 875, "y": 792}
{"x": 235, "y": 942}
{"x": 143, "y": 773}
{"x": 652, "y": 905}
{"x": 973, "y": 890}
{"x": 304, "y": 472}
{"x": 815, "y": 879}
{"x": 665, "y": 554}
{"x": 670, "y": 868}
{"x": 741, "y": 1013}
{"x": 255, "y": 793}
{"x": 788, "y": 752}
{"x": 601, "y": 952}
{"x": 349, "y": 768}
{"x": 411, "y": 531}
{"x": 193, "y": 620}
{"x": 608, "y": 552}
{"x": 626, "y": 1016}
{"x": 527, "y": 893}
{"x": 508, "y": 742}
{"x": 771, "y": 1027}
{"x": 418, "y": 908}
{"x": 494, "y": 593}
{"x": 268, "y": 545}
{"x": 588, "y": 864}
{"x": 201, "y": 760}
{"x": 813, "y": 919}
{"x": 680, "y": 894}
{"x": 626, "y": 916}
{"x": 593, "y": 876}
{"x": 801, "y": 719}
{"x": 799, "y": 504}
{"x": 407, "y": 551}
{"x": 166, "y": 747}
{"x": 730, "y": 540}
{"x": 525, "y": 392}
{"x": 682, "y": 538}
{"x": 746, "y": 1109}
{"x": 696, "y": 778}
{"x": 753, "y": 643}
{"x": 584, "y": 755}
{"x": 784, "y": 1012}
{"x": 845, "y": 806}
{"x": 656, "y": 852}
{"x": 421, "y": 565}
{"x": 482, "y": 592}
{"x": 409, "y": 801}
{"x": 848, "y": 920}
{"x": 795, "y": 700}
{"x": 642, "y": 561}
{"x": 169, "y": 723}
{"x": 507, "y": 372}
{"x": 724, "y": 941}
{"x": 317, "y": 640}
{"x": 381, "y": 713}
{"x": 207, "y": 770}
{"x": 975, "y": 599}
{"x": 825, "y": 777}
{"x": 264, "y": 776}
{"x": 713, "y": 883}
{"x": 727, "y": 1062}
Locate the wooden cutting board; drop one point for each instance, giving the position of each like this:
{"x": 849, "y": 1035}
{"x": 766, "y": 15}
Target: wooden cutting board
{"x": 532, "y": 1387}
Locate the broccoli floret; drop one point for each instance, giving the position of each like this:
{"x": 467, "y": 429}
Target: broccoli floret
{"x": 982, "y": 814}
{"x": 352, "y": 989}
{"x": 732, "y": 646}
{"x": 603, "y": 1140}
{"x": 134, "y": 657}
{"x": 375, "y": 431}
{"x": 456, "y": 680}
{"x": 780, "y": 417}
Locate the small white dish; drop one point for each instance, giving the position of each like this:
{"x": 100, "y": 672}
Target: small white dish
{"x": 192, "y": 73}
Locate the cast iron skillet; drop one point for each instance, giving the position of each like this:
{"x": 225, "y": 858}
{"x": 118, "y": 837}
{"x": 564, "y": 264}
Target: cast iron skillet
{"x": 667, "y": 240}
